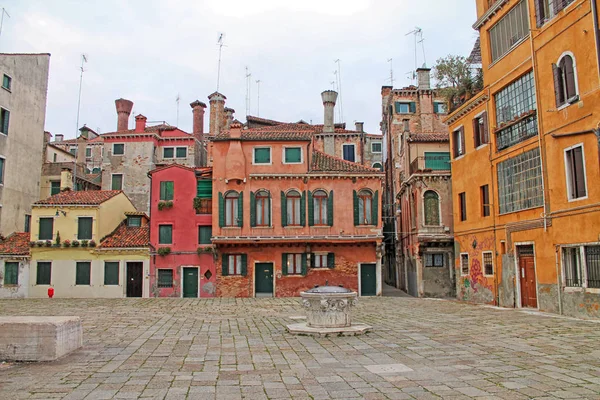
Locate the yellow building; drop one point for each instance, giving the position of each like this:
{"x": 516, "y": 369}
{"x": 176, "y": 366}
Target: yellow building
{"x": 89, "y": 244}
{"x": 526, "y": 157}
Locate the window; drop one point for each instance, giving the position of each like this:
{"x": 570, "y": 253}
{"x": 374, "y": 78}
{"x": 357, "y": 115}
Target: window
{"x": 458, "y": 142}
{"x": 84, "y": 228}
{"x": 54, "y": 187}
{"x": 581, "y": 266}
{"x": 165, "y": 278}
{"x": 406, "y": 125}
{"x": 134, "y": 221}
{"x": 488, "y": 263}
{"x": 480, "y": 130}
{"x": 46, "y": 228}
{"x": 11, "y": 272}
{"x": 375, "y": 147}
{"x": 204, "y": 234}
{"x": 231, "y": 209}
{"x": 117, "y": 182}
{"x": 348, "y": 152}
{"x": 88, "y": 152}
{"x": 54, "y": 157}
{"x": 575, "y": 169}
{"x": 572, "y": 267}
{"x": 166, "y": 190}
{"x": 565, "y": 86}
{"x": 27, "y": 227}
{"x": 431, "y": 205}
{"x": 293, "y": 208}
{"x": 6, "y": 82}
{"x": 234, "y": 264}
{"x": 439, "y": 107}
{"x": 168, "y": 152}
{"x": 44, "y": 272}
{"x": 437, "y": 160}
{"x": 293, "y": 264}
{"x": 434, "y": 260}
{"x": 4, "y": 120}
{"x": 517, "y": 100}
{"x": 485, "y": 200}
{"x": 592, "y": 266}
{"x": 378, "y": 166}
{"x": 365, "y": 208}
{"x": 520, "y": 182}
{"x": 406, "y": 107}
{"x": 181, "y": 152}
{"x": 320, "y": 207}
{"x": 82, "y": 273}
{"x": 118, "y": 149}
{"x": 262, "y": 209}
{"x": 262, "y": 155}
{"x": 462, "y": 203}
{"x": 111, "y": 273}
{"x": 464, "y": 264}
{"x": 323, "y": 260}
{"x": 292, "y": 155}
{"x": 165, "y": 234}
{"x": 2, "y": 162}
{"x": 509, "y": 31}
{"x": 547, "y": 9}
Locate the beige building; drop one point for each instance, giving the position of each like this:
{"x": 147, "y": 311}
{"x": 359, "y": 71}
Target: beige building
{"x": 22, "y": 116}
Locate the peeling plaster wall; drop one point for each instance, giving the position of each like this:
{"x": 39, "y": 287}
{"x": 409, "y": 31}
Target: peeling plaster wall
{"x": 575, "y": 303}
{"x": 20, "y": 290}
{"x": 506, "y": 288}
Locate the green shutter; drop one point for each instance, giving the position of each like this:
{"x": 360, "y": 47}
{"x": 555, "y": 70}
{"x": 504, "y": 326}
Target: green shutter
{"x": 330, "y": 209}
{"x": 240, "y": 221}
{"x": 311, "y": 209}
{"x": 181, "y": 152}
{"x": 111, "y": 273}
{"x": 225, "y": 265}
{"x": 11, "y": 273}
{"x": 397, "y": 105}
{"x": 244, "y": 265}
{"x": 293, "y": 155}
{"x": 5, "y": 121}
{"x": 312, "y": 260}
{"x": 221, "y": 210}
{"x": 356, "y": 217}
{"x": 84, "y": 228}
{"x": 204, "y": 189}
{"x": 413, "y": 107}
{"x": 252, "y": 209}
{"x": 304, "y": 264}
{"x": 204, "y": 234}
{"x": 262, "y": 156}
{"x": 330, "y": 260}
{"x": 283, "y": 209}
{"x": 165, "y": 234}
{"x": 284, "y": 270}
{"x": 375, "y": 208}
{"x": 82, "y": 273}
{"x": 46, "y": 228}
{"x": 163, "y": 190}
{"x": 44, "y": 273}
{"x": 303, "y": 209}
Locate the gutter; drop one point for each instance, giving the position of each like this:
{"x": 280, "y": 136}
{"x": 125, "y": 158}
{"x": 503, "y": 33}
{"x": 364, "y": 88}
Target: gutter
{"x": 596, "y": 32}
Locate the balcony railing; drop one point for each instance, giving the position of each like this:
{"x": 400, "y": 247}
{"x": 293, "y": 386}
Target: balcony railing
{"x": 427, "y": 163}
{"x": 203, "y": 206}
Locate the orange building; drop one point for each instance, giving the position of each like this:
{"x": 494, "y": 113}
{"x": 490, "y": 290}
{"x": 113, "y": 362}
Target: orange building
{"x": 525, "y": 159}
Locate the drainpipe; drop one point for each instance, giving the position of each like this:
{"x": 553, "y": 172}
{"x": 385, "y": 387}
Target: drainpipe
{"x": 596, "y": 31}
{"x": 558, "y": 285}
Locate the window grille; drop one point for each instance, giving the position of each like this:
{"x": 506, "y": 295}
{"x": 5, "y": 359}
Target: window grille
{"x": 516, "y": 133}
{"x": 464, "y": 264}
{"x": 520, "y": 182}
{"x": 515, "y": 99}
{"x": 488, "y": 263}
{"x": 592, "y": 263}
{"x": 509, "y": 31}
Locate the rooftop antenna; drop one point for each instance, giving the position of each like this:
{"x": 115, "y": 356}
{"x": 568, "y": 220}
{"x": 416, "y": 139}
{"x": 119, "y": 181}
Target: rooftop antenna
{"x": 2, "y": 18}
{"x": 422, "y": 41}
{"x": 258, "y": 97}
{"x": 339, "y": 79}
{"x": 177, "y": 99}
{"x": 220, "y": 43}
{"x": 248, "y": 84}
{"x": 83, "y": 61}
{"x": 418, "y": 34}
{"x": 390, "y": 60}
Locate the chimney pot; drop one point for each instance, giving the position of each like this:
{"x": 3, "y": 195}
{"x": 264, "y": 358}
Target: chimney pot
{"x": 329, "y": 98}
{"x": 360, "y": 126}
{"x": 217, "y": 113}
{"x": 235, "y": 131}
{"x": 124, "y": 108}
{"x": 424, "y": 77}
{"x": 140, "y": 123}
{"x": 198, "y": 118}
{"x": 59, "y": 137}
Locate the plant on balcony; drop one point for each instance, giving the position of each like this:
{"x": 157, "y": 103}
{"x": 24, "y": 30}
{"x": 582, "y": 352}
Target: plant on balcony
{"x": 75, "y": 243}
{"x": 163, "y": 251}
{"x": 48, "y": 243}
{"x": 32, "y": 244}
{"x": 92, "y": 243}
{"x": 84, "y": 243}
{"x": 205, "y": 250}
{"x": 41, "y": 243}
{"x": 67, "y": 243}
{"x": 57, "y": 240}
{"x": 165, "y": 204}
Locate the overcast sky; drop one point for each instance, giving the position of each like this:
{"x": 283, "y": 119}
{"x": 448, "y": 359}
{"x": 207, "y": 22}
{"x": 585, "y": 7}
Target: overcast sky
{"x": 150, "y": 51}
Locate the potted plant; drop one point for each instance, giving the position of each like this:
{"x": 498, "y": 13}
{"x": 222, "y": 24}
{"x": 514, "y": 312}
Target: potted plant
{"x": 165, "y": 204}
{"x": 92, "y": 243}
{"x": 84, "y": 243}
{"x": 48, "y": 243}
{"x": 41, "y": 243}
{"x": 57, "y": 241}
{"x": 32, "y": 243}
{"x": 75, "y": 243}
{"x": 163, "y": 251}
{"x": 67, "y": 243}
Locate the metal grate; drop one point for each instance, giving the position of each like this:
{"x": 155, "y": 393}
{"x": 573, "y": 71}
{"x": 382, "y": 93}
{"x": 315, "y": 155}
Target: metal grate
{"x": 572, "y": 267}
{"x": 520, "y": 182}
{"x": 515, "y": 99}
{"x": 464, "y": 264}
{"x": 516, "y": 133}
{"x": 488, "y": 265}
{"x": 592, "y": 264}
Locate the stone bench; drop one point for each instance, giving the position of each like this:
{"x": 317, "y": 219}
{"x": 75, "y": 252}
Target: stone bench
{"x": 39, "y": 338}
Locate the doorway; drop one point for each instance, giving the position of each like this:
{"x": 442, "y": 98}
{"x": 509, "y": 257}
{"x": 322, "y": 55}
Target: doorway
{"x": 135, "y": 279}
{"x": 263, "y": 279}
{"x": 368, "y": 279}
{"x": 527, "y": 280}
{"x": 190, "y": 282}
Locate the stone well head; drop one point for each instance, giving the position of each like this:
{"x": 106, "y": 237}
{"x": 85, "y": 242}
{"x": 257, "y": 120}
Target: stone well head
{"x": 328, "y": 306}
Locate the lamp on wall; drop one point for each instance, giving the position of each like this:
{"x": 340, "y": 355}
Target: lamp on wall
{"x": 64, "y": 213}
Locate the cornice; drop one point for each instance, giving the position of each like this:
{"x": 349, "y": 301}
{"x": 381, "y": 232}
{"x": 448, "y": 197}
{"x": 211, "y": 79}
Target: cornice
{"x": 493, "y": 10}
{"x": 466, "y": 108}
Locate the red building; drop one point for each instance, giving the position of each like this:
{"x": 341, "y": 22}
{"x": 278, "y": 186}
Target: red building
{"x": 182, "y": 262}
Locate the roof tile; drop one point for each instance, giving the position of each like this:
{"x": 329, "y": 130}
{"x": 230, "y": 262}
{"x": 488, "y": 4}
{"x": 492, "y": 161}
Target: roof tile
{"x": 128, "y": 236}
{"x": 428, "y": 137}
{"x": 16, "y": 244}
{"x": 322, "y": 162}
{"x": 87, "y": 197}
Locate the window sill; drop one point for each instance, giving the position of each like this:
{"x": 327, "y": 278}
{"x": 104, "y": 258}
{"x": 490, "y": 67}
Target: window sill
{"x": 292, "y": 163}
{"x": 578, "y": 199}
{"x": 292, "y": 276}
{"x": 7, "y": 89}
{"x": 262, "y": 227}
{"x": 321, "y": 226}
{"x": 456, "y": 158}
{"x": 481, "y": 146}
{"x": 231, "y": 227}
{"x": 320, "y": 268}
{"x": 366, "y": 226}
{"x": 570, "y": 289}
{"x": 293, "y": 227}
{"x": 572, "y": 101}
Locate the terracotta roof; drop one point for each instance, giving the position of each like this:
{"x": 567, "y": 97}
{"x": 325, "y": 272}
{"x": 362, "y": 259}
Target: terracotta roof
{"x": 428, "y": 137}
{"x": 98, "y": 139}
{"x": 128, "y": 236}
{"x": 322, "y": 162}
{"x": 87, "y": 197}
{"x": 61, "y": 149}
{"x": 262, "y": 121}
{"x": 475, "y": 56}
{"x": 277, "y": 132}
{"x": 16, "y": 244}
{"x": 149, "y": 129}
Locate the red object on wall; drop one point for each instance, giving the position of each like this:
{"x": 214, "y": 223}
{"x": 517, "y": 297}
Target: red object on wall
{"x": 51, "y": 292}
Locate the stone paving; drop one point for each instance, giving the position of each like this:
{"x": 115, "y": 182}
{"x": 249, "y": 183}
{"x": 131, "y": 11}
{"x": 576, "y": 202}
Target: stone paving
{"x": 239, "y": 348}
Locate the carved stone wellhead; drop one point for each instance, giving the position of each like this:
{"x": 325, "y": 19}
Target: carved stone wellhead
{"x": 329, "y": 306}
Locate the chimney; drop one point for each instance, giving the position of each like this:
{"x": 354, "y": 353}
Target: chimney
{"x": 59, "y": 137}
{"x": 140, "y": 123}
{"x": 236, "y": 131}
{"x": 229, "y": 115}
{"x": 123, "y": 112}
{"x": 81, "y": 146}
{"x": 198, "y": 118}
{"x": 360, "y": 126}
{"x": 217, "y": 112}
{"x": 424, "y": 78}
{"x": 47, "y": 137}
{"x": 329, "y": 97}
{"x": 66, "y": 179}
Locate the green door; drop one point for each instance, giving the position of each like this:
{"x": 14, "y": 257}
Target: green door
{"x": 190, "y": 282}
{"x": 368, "y": 281}
{"x": 264, "y": 278}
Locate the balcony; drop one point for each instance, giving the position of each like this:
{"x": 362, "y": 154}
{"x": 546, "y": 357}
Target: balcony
{"x": 203, "y": 206}
{"x": 432, "y": 162}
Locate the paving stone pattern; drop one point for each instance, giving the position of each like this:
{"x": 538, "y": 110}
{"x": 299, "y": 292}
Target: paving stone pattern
{"x": 239, "y": 348}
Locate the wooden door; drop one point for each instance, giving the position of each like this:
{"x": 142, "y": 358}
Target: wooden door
{"x": 368, "y": 280}
{"x": 528, "y": 282}
{"x": 264, "y": 278}
{"x": 135, "y": 278}
{"x": 190, "y": 282}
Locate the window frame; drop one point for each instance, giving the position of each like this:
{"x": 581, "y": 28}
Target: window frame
{"x": 52, "y": 187}
{"x": 40, "y": 227}
{"x": 582, "y": 261}
{"x": 231, "y": 204}
{"x": 171, "y": 234}
{"x": 112, "y": 181}
{"x": 398, "y": 110}
{"x": 168, "y": 148}
{"x": 2, "y": 169}
{"x": 366, "y": 218}
{"x": 163, "y": 285}
{"x": 163, "y": 194}
{"x": 262, "y": 148}
{"x": 510, "y": 200}
{"x": 321, "y": 256}
{"x": 568, "y": 173}
{"x": 9, "y": 87}
{"x": 380, "y": 166}
{"x": 177, "y": 148}
{"x": 439, "y": 207}
{"x": 296, "y": 209}
{"x": 458, "y": 142}
{"x": 132, "y": 218}
{"x": 37, "y": 273}
{"x": 481, "y": 137}
{"x": 118, "y": 263}
{"x": 236, "y": 266}
{"x": 486, "y": 208}
{"x": 262, "y": 202}
{"x": 462, "y": 206}
{"x": 283, "y": 155}
{"x": 296, "y": 259}
{"x": 354, "y": 151}
{"x": 27, "y": 224}
{"x": 91, "y": 228}
{"x": 436, "y": 107}
{"x": 4, "y": 110}
{"x": 200, "y": 235}
{"x": 432, "y": 255}
{"x": 113, "y": 149}
{"x": 567, "y": 101}
{"x": 320, "y": 211}
{"x": 500, "y": 26}
{"x": 88, "y": 149}
{"x": 380, "y": 147}
{"x": 12, "y": 264}
{"x": 464, "y": 256}
{"x": 483, "y": 263}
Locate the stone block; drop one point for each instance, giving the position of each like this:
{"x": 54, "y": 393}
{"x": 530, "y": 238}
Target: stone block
{"x": 39, "y": 338}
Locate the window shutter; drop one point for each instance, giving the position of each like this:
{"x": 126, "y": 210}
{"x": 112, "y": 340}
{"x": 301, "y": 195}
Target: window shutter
{"x": 312, "y": 260}
{"x": 484, "y": 126}
{"x": 397, "y": 105}
{"x": 579, "y": 190}
{"x": 304, "y": 264}
{"x": 252, "y": 209}
{"x": 221, "y": 210}
{"x": 375, "y": 208}
{"x": 225, "y": 265}
{"x": 6, "y": 118}
{"x": 284, "y": 269}
{"x": 330, "y": 209}
{"x": 283, "y": 209}
{"x": 539, "y": 17}
{"x": 569, "y": 73}
{"x": 558, "y": 86}
{"x": 240, "y": 221}
{"x": 311, "y": 209}
{"x": 244, "y": 264}
{"x": 356, "y": 217}
{"x": 330, "y": 260}
{"x": 170, "y": 190}
{"x": 413, "y": 107}
{"x": 163, "y": 190}
{"x": 436, "y": 108}
{"x": 303, "y": 209}
{"x": 204, "y": 189}
{"x": 476, "y": 134}
{"x": 462, "y": 139}
{"x": 558, "y": 5}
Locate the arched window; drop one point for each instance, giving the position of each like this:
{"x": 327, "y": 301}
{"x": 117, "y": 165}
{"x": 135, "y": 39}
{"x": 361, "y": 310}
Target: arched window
{"x": 378, "y": 166}
{"x": 263, "y": 208}
{"x": 565, "y": 87}
{"x": 365, "y": 207}
{"x": 431, "y": 206}
{"x": 231, "y": 208}
{"x": 293, "y": 208}
{"x": 320, "y": 207}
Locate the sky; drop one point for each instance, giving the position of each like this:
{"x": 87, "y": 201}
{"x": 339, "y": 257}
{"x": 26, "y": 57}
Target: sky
{"x": 151, "y": 52}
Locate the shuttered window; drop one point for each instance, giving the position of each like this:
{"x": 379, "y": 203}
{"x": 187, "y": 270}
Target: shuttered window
{"x": 6, "y": 82}
{"x": 54, "y": 187}
{"x": 204, "y": 189}
{"x": 485, "y": 200}
{"x": 118, "y": 149}
{"x": 509, "y": 31}
{"x": 168, "y": 152}
{"x": 11, "y": 273}
{"x": 291, "y": 208}
{"x": 437, "y": 160}
{"x": 458, "y": 142}
{"x": 117, "y": 182}
{"x": 293, "y": 264}
{"x": 320, "y": 207}
{"x": 464, "y": 264}
{"x": 480, "y": 130}
{"x": 260, "y": 208}
{"x": 165, "y": 278}
{"x": 204, "y": 234}
{"x": 547, "y": 9}
{"x": 439, "y": 108}
{"x": 111, "y": 273}
{"x": 488, "y": 263}
{"x": 165, "y": 234}
{"x": 134, "y": 221}
{"x": 44, "y": 272}
{"x": 576, "y": 182}
{"x": 4, "y": 120}
{"x": 84, "y": 228}
{"x": 322, "y": 260}
{"x": 349, "y": 152}
{"x": 82, "y": 273}
{"x": 406, "y": 107}
{"x": 375, "y": 147}
{"x": 2, "y": 162}
{"x": 262, "y": 155}
{"x": 181, "y": 152}
{"x": 46, "y": 228}
{"x": 565, "y": 87}
{"x": 365, "y": 204}
{"x": 166, "y": 190}
{"x": 234, "y": 264}
{"x": 462, "y": 203}
{"x": 293, "y": 155}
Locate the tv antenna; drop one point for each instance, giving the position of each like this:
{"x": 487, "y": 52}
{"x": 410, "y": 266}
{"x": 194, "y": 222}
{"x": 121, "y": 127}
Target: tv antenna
{"x": 339, "y": 85}
{"x": 258, "y": 97}
{"x": 418, "y": 36}
{"x": 2, "y": 18}
{"x": 220, "y": 43}
{"x": 390, "y": 60}
{"x": 248, "y": 84}
{"x": 177, "y": 99}
{"x": 83, "y": 61}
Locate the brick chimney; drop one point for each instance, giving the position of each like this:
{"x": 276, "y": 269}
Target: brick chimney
{"x": 140, "y": 123}
{"x": 124, "y": 108}
{"x": 217, "y": 113}
{"x": 229, "y": 117}
{"x": 236, "y": 131}
{"x": 329, "y": 98}
{"x": 59, "y": 137}
{"x": 360, "y": 127}
{"x": 424, "y": 78}
{"x": 198, "y": 108}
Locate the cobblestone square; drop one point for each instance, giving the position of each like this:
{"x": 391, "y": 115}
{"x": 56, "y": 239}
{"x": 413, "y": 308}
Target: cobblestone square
{"x": 239, "y": 348}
